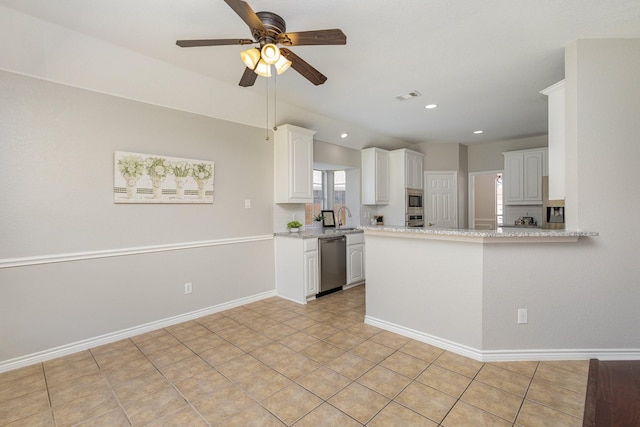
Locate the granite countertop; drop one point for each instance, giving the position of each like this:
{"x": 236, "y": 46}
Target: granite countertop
{"x": 319, "y": 232}
{"x": 501, "y": 232}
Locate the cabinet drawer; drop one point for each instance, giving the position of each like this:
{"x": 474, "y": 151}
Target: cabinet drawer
{"x": 310, "y": 244}
{"x": 355, "y": 238}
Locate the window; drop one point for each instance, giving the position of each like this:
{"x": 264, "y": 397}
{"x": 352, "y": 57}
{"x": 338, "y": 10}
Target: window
{"x": 339, "y": 195}
{"x": 329, "y": 193}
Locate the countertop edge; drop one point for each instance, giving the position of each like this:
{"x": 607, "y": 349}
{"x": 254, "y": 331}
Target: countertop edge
{"x": 481, "y": 236}
{"x": 318, "y": 233}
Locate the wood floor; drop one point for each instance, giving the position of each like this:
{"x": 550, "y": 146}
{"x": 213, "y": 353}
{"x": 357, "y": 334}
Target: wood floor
{"x": 613, "y": 394}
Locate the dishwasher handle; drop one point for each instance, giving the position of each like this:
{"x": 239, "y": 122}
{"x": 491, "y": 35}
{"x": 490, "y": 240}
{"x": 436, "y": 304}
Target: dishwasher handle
{"x": 332, "y": 239}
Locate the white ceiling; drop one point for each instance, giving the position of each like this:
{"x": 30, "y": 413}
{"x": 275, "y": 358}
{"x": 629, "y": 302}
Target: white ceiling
{"x": 482, "y": 62}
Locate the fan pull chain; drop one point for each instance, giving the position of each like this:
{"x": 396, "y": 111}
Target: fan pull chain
{"x": 275, "y": 102}
{"x": 266, "y": 127}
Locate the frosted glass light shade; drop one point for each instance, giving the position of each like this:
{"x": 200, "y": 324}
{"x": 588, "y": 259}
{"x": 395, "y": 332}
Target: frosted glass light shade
{"x": 270, "y": 53}
{"x": 263, "y": 69}
{"x": 250, "y": 57}
{"x": 282, "y": 65}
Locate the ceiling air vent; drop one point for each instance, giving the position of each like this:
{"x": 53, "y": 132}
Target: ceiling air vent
{"x": 408, "y": 95}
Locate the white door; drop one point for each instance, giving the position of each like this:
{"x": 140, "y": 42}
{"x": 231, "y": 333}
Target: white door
{"x": 441, "y": 204}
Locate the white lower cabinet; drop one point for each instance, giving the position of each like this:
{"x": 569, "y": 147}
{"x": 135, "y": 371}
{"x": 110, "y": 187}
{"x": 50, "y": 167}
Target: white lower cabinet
{"x": 311, "y": 267}
{"x": 298, "y": 269}
{"x": 355, "y": 258}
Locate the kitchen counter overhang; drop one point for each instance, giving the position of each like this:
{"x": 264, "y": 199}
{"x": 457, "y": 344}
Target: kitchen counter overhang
{"x": 501, "y": 235}
{"x": 313, "y": 233}
{"x": 461, "y": 289}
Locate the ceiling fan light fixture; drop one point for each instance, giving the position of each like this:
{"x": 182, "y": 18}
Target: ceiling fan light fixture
{"x": 270, "y": 53}
{"x": 282, "y": 65}
{"x": 263, "y": 69}
{"x": 250, "y": 57}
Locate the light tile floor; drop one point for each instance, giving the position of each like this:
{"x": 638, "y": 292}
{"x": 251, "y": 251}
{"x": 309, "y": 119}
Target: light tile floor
{"x": 275, "y": 363}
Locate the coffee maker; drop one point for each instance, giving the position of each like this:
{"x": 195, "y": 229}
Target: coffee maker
{"x": 553, "y": 211}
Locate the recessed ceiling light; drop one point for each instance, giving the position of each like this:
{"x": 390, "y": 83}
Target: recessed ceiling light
{"x": 343, "y": 135}
{"x": 478, "y": 132}
{"x": 431, "y": 106}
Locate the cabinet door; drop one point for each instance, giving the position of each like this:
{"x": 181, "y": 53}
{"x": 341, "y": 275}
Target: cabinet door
{"x": 293, "y": 165}
{"x": 311, "y": 272}
{"x": 382, "y": 177}
{"x": 413, "y": 171}
{"x": 513, "y": 174}
{"x": 355, "y": 263}
{"x": 533, "y": 176}
{"x": 301, "y": 166}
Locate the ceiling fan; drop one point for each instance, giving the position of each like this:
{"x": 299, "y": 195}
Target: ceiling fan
{"x": 268, "y": 30}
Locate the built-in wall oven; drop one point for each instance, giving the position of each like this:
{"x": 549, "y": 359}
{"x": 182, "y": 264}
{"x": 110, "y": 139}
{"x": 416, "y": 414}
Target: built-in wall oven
{"x": 414, "y": 208}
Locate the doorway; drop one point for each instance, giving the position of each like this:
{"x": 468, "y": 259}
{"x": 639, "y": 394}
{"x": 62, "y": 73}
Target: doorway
{"x": 485, "y": 200}
{"x": 441, "y": 199}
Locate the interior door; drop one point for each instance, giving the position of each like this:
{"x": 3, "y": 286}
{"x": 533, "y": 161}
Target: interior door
{"x": 441, "y": 205}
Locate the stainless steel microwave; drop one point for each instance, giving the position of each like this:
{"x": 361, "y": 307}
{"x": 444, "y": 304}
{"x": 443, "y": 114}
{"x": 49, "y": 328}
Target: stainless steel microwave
{"x": 414, "y": 200}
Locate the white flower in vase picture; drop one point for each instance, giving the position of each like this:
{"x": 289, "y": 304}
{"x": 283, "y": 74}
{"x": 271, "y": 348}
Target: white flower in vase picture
{"x": 131, "y": 168}
{"x": 181, "y": 171}
{"x": 158, "y": 169}
{"x": 202, "y": 173}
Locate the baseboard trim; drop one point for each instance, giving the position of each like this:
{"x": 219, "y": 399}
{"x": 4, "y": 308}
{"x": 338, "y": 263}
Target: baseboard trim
{"x": 108, "y": 253}
{"x": 460, "y": 349}
{"x": 507, "y": 355}
{"x": 64, "y": 350}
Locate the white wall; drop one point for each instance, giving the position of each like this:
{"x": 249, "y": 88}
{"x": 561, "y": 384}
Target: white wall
{"x": 55, "y": 53}
{"x": 589, "y": 297}
{"x": 488, "y": 156}
{"x": 74, "y": 265}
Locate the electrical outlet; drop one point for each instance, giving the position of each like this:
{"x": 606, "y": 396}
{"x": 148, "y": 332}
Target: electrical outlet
{"x": 188, "y": 288}
{"x": 523, "y": 315}
{"x": 247, "y": 203}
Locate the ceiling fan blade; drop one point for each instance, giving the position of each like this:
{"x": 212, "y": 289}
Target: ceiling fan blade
{"x": 212, "y": 42}
{"x": 248, "y": 77}
{"x": 301, "y": 66}
{"x": 247, "y": 14}
{"x": 318, "y": 37}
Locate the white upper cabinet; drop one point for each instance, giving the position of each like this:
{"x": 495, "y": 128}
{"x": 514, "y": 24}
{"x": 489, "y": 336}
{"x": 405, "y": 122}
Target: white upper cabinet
{"x": 293, "y": 164}
{"x": 414, "y": 166}
{"x": 375, "y": 176}
{"x": 557, "y": 140}
{"x": 523, "y": 172}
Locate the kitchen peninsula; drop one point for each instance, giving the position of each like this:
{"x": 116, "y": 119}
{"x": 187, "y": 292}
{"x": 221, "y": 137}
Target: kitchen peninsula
{"x": 462, "y": 289}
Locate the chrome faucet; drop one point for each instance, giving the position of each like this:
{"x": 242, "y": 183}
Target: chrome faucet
{"x": 348, "y": 213}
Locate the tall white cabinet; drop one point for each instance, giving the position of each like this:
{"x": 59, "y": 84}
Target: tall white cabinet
{"x": 406, "y": 171}
{"x": 293, "y": 164}
{"x": 557, "y": 140}
{"x": 523, "y": 172}
{"x": 375, "y": 176}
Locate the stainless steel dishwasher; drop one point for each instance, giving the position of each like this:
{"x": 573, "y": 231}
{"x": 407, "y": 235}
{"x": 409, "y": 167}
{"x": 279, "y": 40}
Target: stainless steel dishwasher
{"x": 333, "y": 264}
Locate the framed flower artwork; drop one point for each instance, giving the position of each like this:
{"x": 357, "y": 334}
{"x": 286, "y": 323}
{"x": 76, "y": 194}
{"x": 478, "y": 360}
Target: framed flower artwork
{"x": 148, "y": 178}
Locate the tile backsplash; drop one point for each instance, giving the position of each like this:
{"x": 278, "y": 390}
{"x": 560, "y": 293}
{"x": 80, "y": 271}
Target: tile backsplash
{"x": 513, "y": 212}
{"x": 285, "y": 212}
